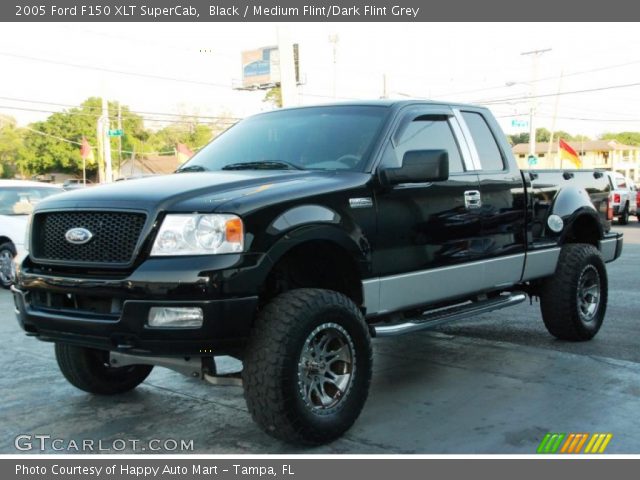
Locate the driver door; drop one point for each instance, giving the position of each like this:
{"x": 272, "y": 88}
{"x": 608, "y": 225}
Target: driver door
{"x": 428, "y": 233}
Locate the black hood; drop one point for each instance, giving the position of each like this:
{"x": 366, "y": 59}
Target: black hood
{"x": 232, "y": 191}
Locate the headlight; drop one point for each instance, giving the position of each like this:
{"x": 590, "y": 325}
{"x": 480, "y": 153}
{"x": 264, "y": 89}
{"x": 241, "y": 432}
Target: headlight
{"x": 196, "y": 234}
{"x": 27, "y": 234}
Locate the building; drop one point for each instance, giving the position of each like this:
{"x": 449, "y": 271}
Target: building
{"x": 152, "y": 165}
{"x": 604, "y": 154}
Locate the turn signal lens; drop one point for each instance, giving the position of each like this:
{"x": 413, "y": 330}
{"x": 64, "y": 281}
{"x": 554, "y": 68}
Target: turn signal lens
{"x": 235, "y": 232}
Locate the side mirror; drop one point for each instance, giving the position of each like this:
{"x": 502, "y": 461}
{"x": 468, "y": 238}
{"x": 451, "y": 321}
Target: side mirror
{"x": 419, "y": 166}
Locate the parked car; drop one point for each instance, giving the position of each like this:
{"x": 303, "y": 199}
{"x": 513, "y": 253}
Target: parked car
{"x": 297, "y": 236}
{"x": 75, "y": 183}
{"x": 17, "y": 199}
{"x": 623, "y": 197}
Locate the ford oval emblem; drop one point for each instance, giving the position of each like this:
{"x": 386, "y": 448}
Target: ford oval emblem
{"x": 78, "y": 236}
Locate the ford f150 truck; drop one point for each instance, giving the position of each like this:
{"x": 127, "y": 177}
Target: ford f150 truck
{"x": 297, "y": 236}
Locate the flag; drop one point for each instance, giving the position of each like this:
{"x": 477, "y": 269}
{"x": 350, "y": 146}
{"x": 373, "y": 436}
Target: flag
{"x": 568, "y": 153}
{"x": 183, "y": 153}
{"x": 87, "y": 152}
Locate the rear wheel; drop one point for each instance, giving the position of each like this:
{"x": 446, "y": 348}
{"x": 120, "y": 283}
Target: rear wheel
{"x": 307, "y": 367}
{"x": 623, "y": 219}
{"x": 7, "y": 254}
{"x": 89, "y": 370}
{"x": 574, "y": 300}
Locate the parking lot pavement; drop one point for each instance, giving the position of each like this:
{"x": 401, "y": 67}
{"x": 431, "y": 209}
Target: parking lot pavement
{"x": 493, "y": 384}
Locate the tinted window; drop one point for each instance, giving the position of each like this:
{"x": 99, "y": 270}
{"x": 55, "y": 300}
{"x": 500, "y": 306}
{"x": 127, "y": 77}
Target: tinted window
{"x": 21, "y": 200}
{"x": 621, "y": 182}
{"x": 490, "y": 156}
{"x": 324, "y": 138}
{"x": 426, "y": 133}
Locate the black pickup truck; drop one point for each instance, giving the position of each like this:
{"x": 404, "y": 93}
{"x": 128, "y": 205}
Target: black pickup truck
{"x": 297, "y": 236}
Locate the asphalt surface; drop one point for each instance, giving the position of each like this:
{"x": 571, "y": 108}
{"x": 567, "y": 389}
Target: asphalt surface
{"x": 496, "y": 383}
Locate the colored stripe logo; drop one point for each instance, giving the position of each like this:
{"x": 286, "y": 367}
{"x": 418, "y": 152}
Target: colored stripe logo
{"x": 574, "y": 443}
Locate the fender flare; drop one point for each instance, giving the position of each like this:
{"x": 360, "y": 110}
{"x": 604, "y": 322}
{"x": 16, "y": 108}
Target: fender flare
{"x": 357, "y": 246}
{"x": 573, "y": 205}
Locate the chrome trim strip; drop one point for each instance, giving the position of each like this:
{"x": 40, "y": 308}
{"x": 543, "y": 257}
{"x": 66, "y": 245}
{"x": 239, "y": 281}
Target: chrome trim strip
{"x": 541, "y": 263}
{"x": 475, "y": 157}
{"x": 608, "y": 249}
{"x": 402, "y": 291}
{"x": 467, "y": 158}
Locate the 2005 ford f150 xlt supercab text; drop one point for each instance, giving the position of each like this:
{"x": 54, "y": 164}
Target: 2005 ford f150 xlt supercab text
{"x": 297, "y": 236}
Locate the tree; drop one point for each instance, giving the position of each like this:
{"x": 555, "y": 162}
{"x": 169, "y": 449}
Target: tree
{"x": 11, "y": 139}
{"x": 54, "y": 144}
{"x": 544, "y": 135}
{"x": 274, "y": 96}
{"x": 627, "y": 138}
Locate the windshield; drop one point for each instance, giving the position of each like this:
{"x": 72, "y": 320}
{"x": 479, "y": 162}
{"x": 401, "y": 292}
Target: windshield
{"x": 21, "y": 200}
{"x": 318, "y": 138}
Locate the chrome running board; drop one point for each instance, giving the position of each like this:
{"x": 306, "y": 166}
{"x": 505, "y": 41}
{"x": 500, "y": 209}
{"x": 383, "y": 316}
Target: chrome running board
{"x": 450, "y": 314}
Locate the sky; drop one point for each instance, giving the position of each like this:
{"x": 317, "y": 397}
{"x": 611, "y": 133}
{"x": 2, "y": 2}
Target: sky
{"x": 189, "y": 68}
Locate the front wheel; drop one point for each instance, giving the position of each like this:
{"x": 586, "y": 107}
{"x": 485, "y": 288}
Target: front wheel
{"x": 307, "y": 366}
{"x": 7, "y": 254}
{"x": 574, "y": 300}
{"x": 89, "y": 370}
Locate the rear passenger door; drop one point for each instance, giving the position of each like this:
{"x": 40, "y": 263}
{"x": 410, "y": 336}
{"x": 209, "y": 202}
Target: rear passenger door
{"x": 503, "y": 201}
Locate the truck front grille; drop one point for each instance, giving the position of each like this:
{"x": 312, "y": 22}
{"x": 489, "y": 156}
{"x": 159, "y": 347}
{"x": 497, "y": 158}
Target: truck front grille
{"x": 113, "y": 242}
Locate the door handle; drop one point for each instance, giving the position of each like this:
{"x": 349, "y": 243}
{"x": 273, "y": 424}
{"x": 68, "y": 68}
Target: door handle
{"x": 472, "y": 199}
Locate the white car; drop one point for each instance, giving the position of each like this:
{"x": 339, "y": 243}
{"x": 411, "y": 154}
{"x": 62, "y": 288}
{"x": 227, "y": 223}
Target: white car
{"x": 17, "y": 198}
{"x": 623, "y": 197}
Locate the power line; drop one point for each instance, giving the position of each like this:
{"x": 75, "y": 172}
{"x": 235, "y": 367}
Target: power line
{"x": 112, "y": 70}
{"x": 95, "y": 115}
{"x": 44, "y": 134}
{"x": 543, "y": 79}
{"x": 585, "y": 119}
{"x": 90, "y": 107}
{"x": 165, "y": 152}
{"x": 572, "y": 92}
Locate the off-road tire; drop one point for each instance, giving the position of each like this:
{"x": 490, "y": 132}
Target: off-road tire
{"x": 88, "y": 370}
{"x": 271, "y": 377}
{"x": 562, "y": 309}
{"x": 8, "y": 249}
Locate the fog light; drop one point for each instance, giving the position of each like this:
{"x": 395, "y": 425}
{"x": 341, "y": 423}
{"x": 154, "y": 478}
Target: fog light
{"x": 175, "y": 317}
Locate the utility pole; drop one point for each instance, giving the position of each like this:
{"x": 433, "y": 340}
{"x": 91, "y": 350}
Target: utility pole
{"x": 100, "y": 149}
{"x": 119, "y": 136}
{"x": 385, "y": 93}
{"x": 535, "y": 55}
{"x": 553, "y": 121}
{"x": 106, "y": 142}
{"x": 334, "y": 39}
{"x": 288, "y": 88}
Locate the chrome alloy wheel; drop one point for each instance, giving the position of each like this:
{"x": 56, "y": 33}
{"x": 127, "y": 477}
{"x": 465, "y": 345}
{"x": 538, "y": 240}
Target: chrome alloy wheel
{"x": 326, "y": 368}
{"x": 589, "y": 292}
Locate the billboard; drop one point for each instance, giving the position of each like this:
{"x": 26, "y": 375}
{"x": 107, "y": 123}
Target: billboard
{"x": 261, "y": 67}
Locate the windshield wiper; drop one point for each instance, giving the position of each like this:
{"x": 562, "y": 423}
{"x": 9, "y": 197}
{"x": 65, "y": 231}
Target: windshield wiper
{"x": 263, "y": 165}
{"x": 191, "y": 168}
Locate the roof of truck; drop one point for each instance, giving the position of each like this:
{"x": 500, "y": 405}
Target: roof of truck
{"x": 386, "y": 102}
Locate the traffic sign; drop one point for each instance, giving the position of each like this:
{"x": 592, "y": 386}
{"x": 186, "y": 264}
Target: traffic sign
{"x": 118, "y": 132}
{"x": 519, "y": 123}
